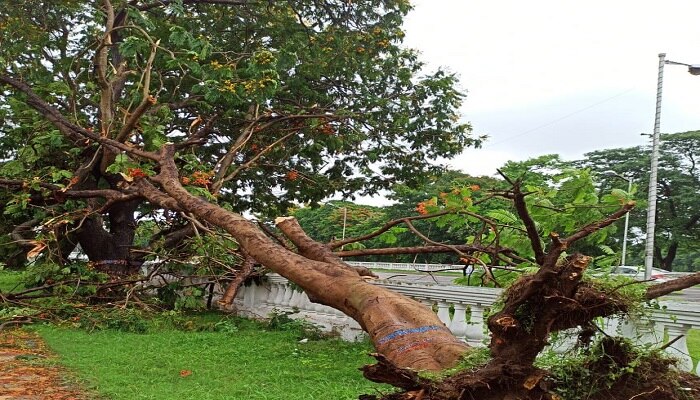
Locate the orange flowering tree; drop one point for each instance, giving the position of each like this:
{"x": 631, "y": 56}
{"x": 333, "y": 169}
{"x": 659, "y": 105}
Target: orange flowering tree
{"x": 269, "y": 104}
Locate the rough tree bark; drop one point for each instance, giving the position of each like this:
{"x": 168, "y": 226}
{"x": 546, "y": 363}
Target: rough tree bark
{"x": 553, "y": 299}
{"x": 111, "y": 250}
{"x": 405, "y": 331}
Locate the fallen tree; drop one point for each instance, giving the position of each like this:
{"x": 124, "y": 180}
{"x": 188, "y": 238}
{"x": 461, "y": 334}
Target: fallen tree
{"x": 128, "y": 164}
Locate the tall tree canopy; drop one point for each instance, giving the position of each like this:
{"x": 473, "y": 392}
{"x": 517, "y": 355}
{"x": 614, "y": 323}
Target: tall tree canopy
{"x": 678, "y": 202}
{"x": 267, "y": 103}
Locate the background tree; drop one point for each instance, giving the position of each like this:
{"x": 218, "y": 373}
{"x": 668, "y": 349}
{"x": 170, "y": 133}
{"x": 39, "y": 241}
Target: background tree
{"x": 678, "y": 208}
{"x": 325, "y": 223}
{"x": 267, "y": 103}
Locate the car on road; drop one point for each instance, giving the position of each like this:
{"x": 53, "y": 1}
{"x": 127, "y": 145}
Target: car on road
{"x": 630, "y": 271}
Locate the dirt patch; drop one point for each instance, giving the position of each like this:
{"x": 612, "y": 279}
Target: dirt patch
{"x": 28, "y": 370}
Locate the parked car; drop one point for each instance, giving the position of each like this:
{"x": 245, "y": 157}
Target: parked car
{"x": 657, "y": 275}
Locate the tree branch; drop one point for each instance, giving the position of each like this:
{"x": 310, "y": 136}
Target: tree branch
{"x": 147, "y": 100}
{"x": 662, "y": 289}
{"x": 101, "y": 62}
{"x": 60, "y": 192}
{"x": 598, "y": 225}
{"x": 68, "y": 128}
{"x": 241, "y": 274}
{"x": 386, "y": 227}
{"x": 518, "y": 198}
{"x": 312, "y": 249}
{"x": 412, "y": 250}
{"x": 152, "y": 194}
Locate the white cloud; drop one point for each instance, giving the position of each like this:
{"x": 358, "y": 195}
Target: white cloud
{"x": 561, "y": 76}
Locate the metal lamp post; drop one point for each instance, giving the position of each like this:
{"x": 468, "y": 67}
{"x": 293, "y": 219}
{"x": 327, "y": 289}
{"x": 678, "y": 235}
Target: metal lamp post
{"x": 627, "y": 216}
{"x": 345, "y": 220}
{"x": 693, "y": 69}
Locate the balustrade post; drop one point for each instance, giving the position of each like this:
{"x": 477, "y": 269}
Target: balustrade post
{"x": 475, "y": 329}
{"x": 296, "y": 299}
{"x": 279, "y": 295}
{"x": 304, "y": 302}
{"x": 444, "y": 312}
{"x": 642, "y": 330}
{"x": 679, "y": 349}
{"x": 288, "y": 293}
{"x": 249, "y": 297}
{"x": 458, "y": 326}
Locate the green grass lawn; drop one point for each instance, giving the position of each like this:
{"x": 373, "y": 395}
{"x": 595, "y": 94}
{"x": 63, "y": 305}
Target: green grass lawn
{"x": 10, "y": 280}
{"x": 246, "y": 364}
{"x": 694, "y": 344}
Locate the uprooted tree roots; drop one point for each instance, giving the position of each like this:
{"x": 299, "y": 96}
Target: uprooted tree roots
{"x": 612, "y": 369}
{"x": 552, "y": 300}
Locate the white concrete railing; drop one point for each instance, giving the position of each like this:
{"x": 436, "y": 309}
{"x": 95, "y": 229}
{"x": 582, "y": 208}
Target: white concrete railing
{"x": 462, "y": 309}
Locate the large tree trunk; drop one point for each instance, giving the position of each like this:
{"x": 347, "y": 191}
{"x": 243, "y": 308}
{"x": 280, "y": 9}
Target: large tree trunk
{"x": 408, "y": 333}
{"x": 666, "y": 263}
{"x": 110, "y": 250}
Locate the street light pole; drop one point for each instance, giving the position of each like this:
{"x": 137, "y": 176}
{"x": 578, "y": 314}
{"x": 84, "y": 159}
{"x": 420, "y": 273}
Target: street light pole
{"x": 345, "y": 220}
{"x": 627, "y": 215}
{"x": 693, "y": 69}
{"x": 651, "y": 200}
{"x": 627, "y": 224}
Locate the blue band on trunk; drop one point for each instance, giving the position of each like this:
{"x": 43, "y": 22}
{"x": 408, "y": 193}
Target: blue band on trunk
{"x": 403, "y": 332}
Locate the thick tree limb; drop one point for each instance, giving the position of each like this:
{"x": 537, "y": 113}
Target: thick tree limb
{"x": 518, "y": 198}
{"x": 66, "y": 127}
{"x": 101, "y": 63}
{"x": 312, "y": 249}
{"x": 152, "y": 194}
{"x": 386, "y": 227}
{"x": 241, "y": 275}
{"x": 662, "y": 289}
{"x": 307, "y": 247}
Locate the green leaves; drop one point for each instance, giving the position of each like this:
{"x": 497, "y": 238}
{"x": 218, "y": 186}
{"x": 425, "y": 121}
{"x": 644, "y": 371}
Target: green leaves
{"x": 390, "y": 237}
{"x": 504, "y": 217}
{"x": 17, "y": 204}
{"x": 121, "y": 163}
{"x": 317, "y": 100}
{"x": 133, "y": 45}
{"x": 60, "y": 175}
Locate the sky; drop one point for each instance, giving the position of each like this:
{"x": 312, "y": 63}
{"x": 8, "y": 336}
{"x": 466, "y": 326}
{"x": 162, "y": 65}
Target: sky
{"x": 561, "y": 76}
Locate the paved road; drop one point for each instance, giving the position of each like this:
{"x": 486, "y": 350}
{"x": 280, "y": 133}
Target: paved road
{"x": 687, "y": 295}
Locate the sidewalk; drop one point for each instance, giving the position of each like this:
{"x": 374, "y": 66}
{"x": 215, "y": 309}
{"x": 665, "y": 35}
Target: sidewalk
{"x": 28, "y": 370}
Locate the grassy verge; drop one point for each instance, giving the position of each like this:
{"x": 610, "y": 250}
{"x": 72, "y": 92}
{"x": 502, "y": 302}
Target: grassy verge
{"x": 694, "y": 345}
{"x": 243, "y": 363}
{"x": 10, "y": 281}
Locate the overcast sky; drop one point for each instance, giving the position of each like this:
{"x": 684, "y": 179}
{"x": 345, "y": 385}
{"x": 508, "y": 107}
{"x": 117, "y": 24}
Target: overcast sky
{"x": 561, "y": 76}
